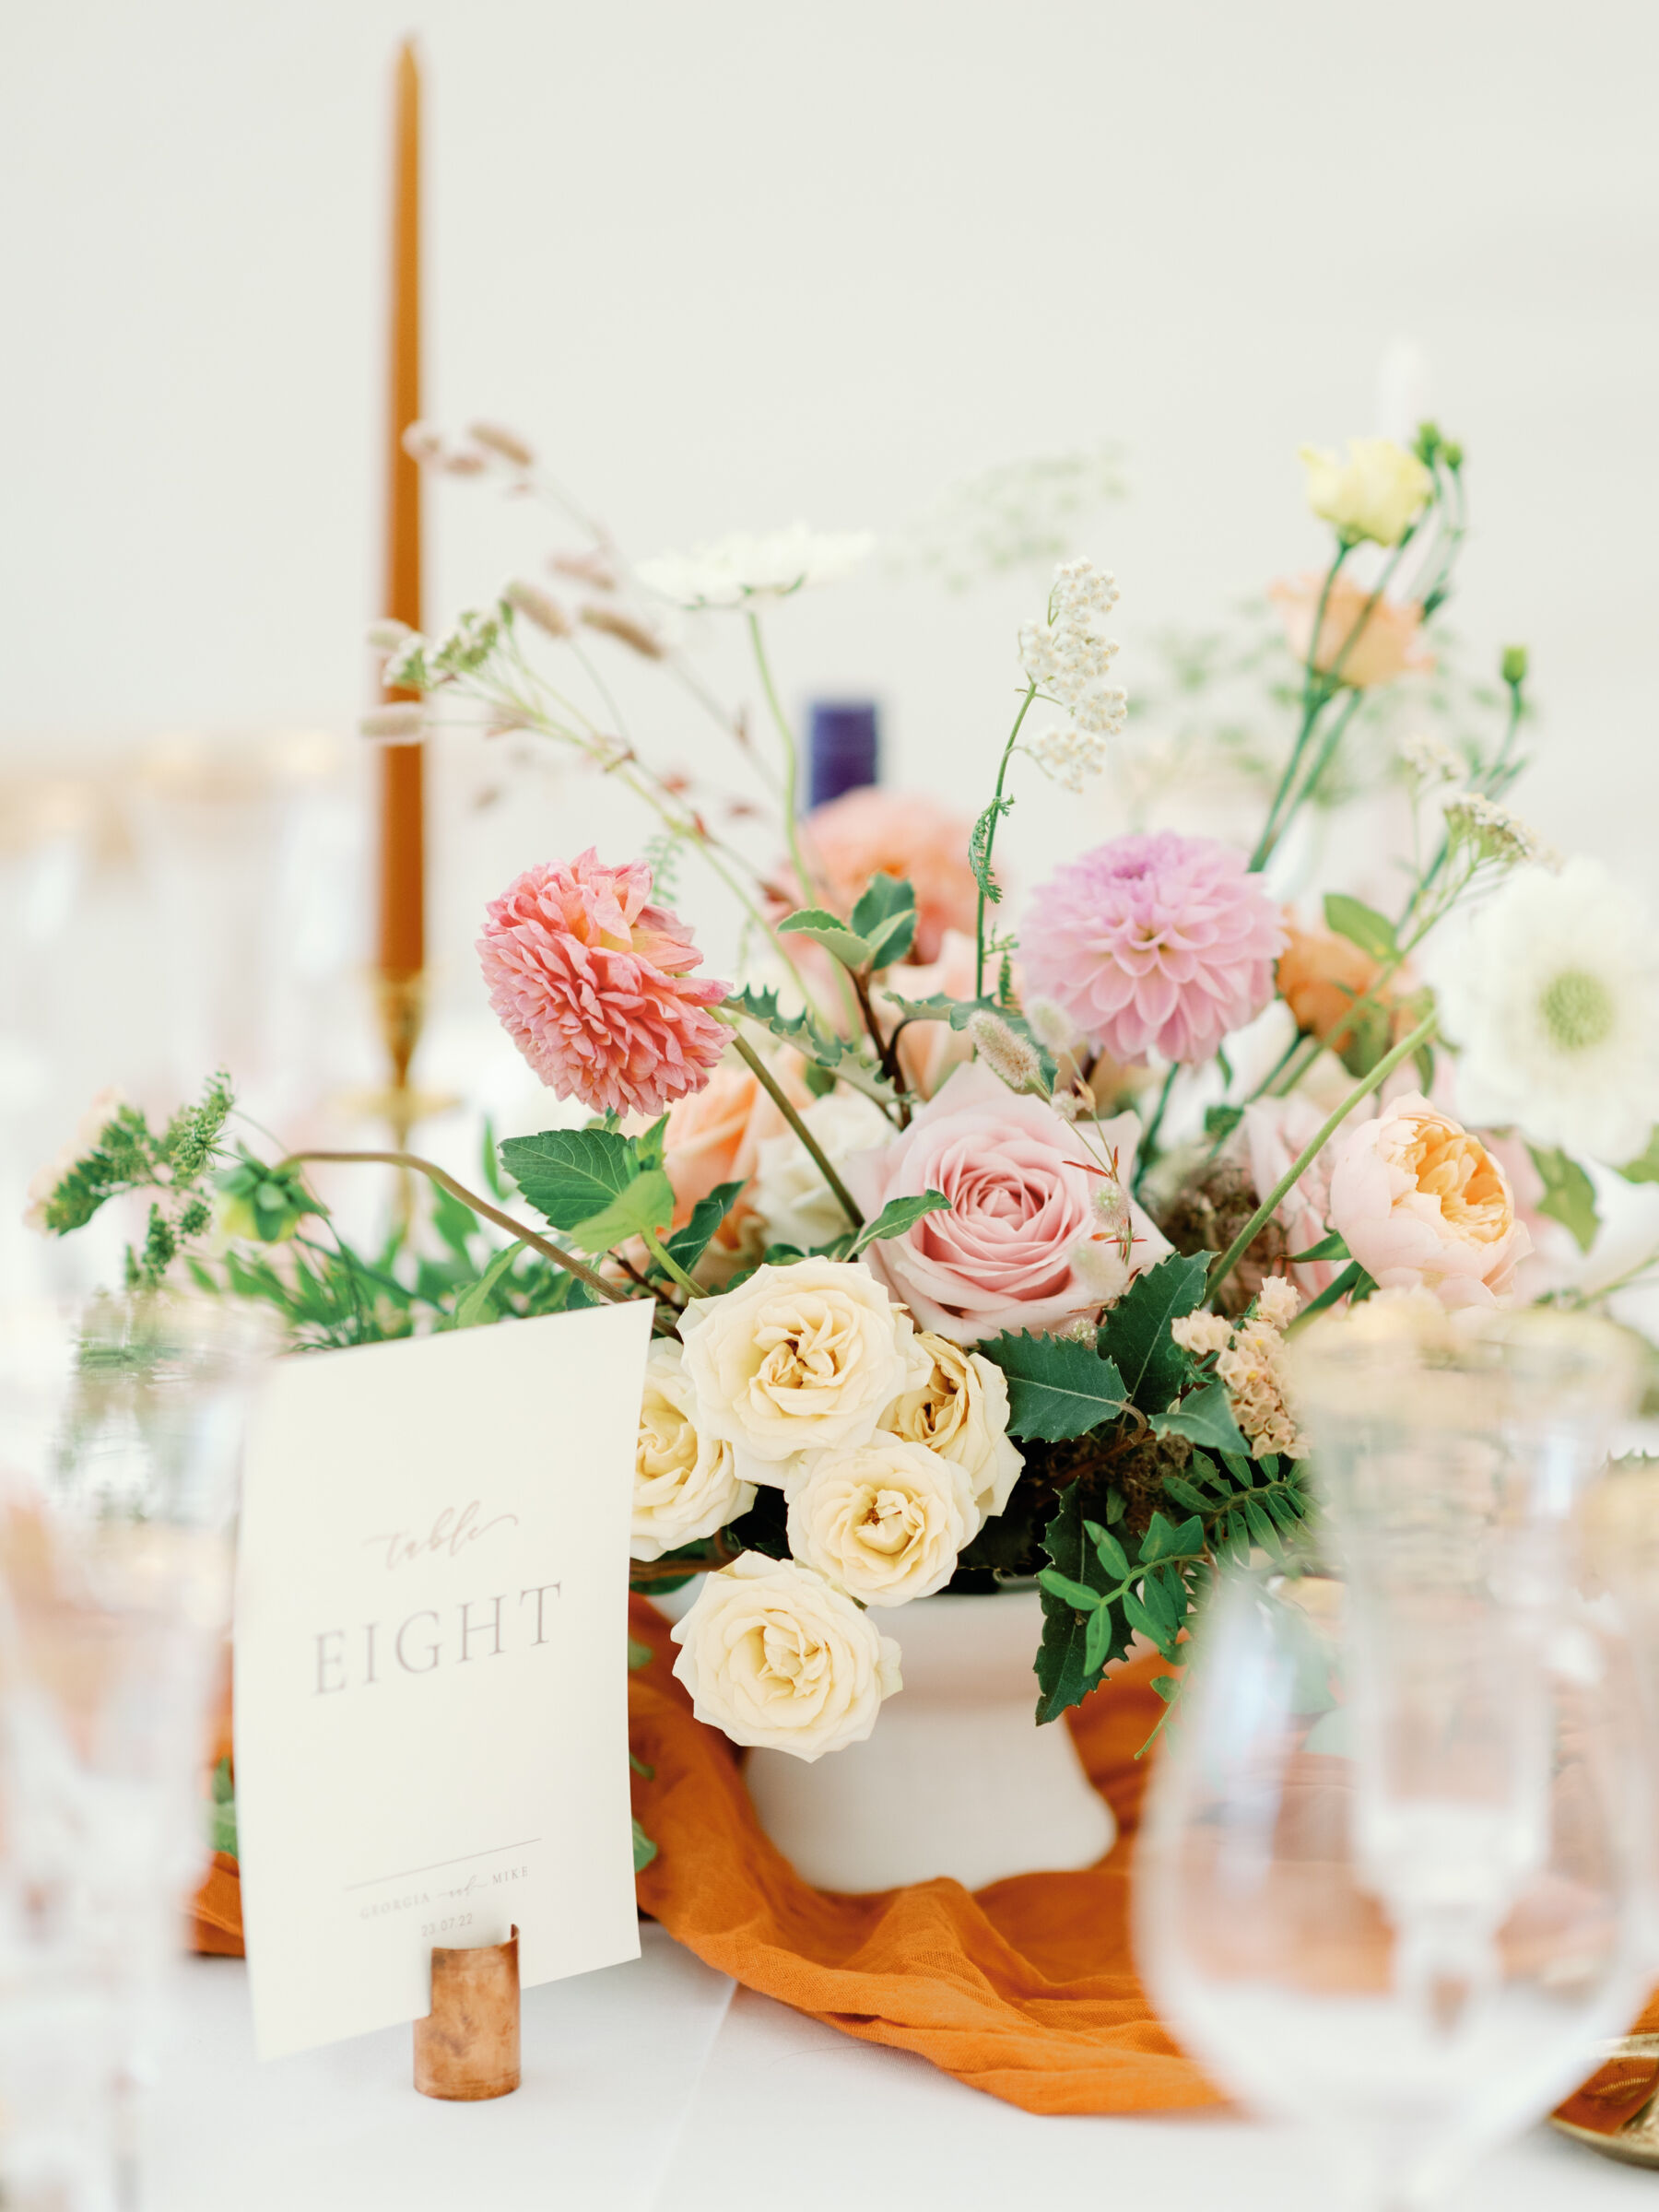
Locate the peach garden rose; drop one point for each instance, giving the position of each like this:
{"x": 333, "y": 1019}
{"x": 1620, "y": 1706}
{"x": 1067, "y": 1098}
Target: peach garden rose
{"x": 1423, "y": 1204}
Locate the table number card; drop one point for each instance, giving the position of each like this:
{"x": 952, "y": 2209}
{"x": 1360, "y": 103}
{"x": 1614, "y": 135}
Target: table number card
{"x": 431, "y": 1666}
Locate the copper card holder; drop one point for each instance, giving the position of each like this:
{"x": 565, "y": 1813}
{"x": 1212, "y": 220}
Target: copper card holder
{"x": 467, "y": 2047}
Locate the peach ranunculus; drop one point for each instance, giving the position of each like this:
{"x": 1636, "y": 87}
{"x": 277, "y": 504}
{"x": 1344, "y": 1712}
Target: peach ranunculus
{"x": 1389, "y": 645}
{"x": 1423, "y": 1204}
{"x": 1319, "y": 977}
{"x": 907, "y": 833}
{"x": 1021, "y": 1185}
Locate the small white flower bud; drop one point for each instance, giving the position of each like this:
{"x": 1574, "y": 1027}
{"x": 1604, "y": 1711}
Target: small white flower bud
{"x": 1009, "y": 1056}
{"x": 497, "y": 439}
{"x": 1109, "y": 1203}
{"x": 538, "y": 606}
{"x": 404, "y": 722}
{"x": 391, "y": 635}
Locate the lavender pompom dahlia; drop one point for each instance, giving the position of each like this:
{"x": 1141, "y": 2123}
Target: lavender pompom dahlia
{"x": 1146, "y": 943}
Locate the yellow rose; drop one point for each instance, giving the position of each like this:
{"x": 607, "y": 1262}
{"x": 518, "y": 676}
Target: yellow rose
{"x": 685, "y": 1484}
{"x": 885, "y": 1522}
{"x": 961, "y": 1412}
{"x": 773, "y": 1656}
{"x": 1377, "y": 492}
{"x": 799, "y": 1359}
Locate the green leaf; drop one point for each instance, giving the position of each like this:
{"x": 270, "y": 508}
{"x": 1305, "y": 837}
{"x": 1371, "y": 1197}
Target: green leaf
{"x": 570, "y": 1175}
{"x": 1136, "y": 1332}
{"x": 1360, "y": 924}
{"x": 979, "y": 848}
{"x": 1073, "y": 1652}
{"x": 647, "y": 1203}
{"x": 1164, "y": 1541}
{"x": 1644, "y": 1168}
{"x": 1076, "y": 1595}
{"x": 800, "y": 1031}
{"x": 1334, "y": 1247}
{"x": 638, "y": 1655}
{"x": 473, "y": 1308}
{"x": 1140, "y": 1618}
{"x": 643, "y": 1848}
{"x": 820, "y": 927}
{"x": 1569, "y": 1194}
{"x": 687, "y": 1245}
{"x": 1352, "y": 1279}
{"x": 1112, "y": 1556}
{"x": 885, "y": 918}
{"x": 1056, "y": 1389}
{"x": 896, "y": 1217}
{"x": 1168, "y": 1687}
{"x": 221, "y": 1813}
{"x": 1185, "y": 1494}
{"x": 1221, "y": 1121}
{"x": 644, "y": 1772}
{"x": 1203, "y": 1417}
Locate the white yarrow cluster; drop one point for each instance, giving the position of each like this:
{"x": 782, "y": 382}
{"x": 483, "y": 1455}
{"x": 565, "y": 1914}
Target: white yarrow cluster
{"x": 1069, "y": 656}
{"x": 750, "y": 567}
{"x": 1429, "y": 760}
{"x": 1495, "y": 834}
{"x": 1071, "y": 757}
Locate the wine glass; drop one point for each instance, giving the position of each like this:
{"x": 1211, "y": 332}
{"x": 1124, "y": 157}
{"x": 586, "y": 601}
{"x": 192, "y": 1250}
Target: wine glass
{"x": 121, "y": 1429}
{"x": 1404, "y": 1913}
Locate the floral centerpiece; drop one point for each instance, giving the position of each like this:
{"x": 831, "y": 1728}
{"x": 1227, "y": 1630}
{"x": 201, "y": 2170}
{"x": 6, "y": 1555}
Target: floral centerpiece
{"x": 974, "y": 1232}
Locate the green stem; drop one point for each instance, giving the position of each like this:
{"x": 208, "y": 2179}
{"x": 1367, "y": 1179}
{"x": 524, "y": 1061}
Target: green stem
{"x": 791, "y": 761}
{"x": 669, "y": 1264}
{"x": 1298, "y": 1167}
{"x": 768, "y": 1083}
{"x": 984, "y": 873}
{"x": 1148, "y": 1146}
{"x": 1314, "y": 694}
{"x": 560, "y": 1258}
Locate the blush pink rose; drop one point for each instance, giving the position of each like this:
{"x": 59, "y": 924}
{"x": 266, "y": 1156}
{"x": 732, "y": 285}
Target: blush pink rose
{"x": 1424, "y": 1206}
{"x": 1019, "y": 1183}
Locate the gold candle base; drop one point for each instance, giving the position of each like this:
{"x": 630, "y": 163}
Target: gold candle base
{"x": 467, "y": 2047}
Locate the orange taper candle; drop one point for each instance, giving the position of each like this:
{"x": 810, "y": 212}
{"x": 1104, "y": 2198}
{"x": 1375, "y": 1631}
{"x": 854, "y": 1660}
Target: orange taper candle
{"x": 402, "y": 767}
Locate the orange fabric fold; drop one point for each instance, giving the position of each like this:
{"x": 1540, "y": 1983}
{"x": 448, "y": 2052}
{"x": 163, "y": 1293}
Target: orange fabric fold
{"x": 1025, "y": 1989}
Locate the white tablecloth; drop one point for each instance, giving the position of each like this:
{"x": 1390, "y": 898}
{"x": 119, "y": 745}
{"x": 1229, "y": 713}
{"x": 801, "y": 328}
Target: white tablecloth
{"x": 655, "y": 2085}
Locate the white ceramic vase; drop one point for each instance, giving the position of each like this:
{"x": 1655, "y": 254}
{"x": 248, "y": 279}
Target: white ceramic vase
{"x": 955, "y": 1779}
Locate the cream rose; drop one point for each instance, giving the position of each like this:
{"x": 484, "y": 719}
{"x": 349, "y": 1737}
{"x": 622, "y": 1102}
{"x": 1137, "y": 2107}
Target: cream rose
{"x": 884, "y": 1523}
{"x": 789, "y": 1190}
{"x": 1424, "y": 1206}
{"x": 961, "y": 1412}
{"x": 798, "y": 1360}
{"x": 1377, "y": 492}
{"x": 685, "y": 1483}
{"x": 775, "y": 1657}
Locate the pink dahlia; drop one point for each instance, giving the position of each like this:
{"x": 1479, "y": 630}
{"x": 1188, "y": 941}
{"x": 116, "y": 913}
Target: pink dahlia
{"x": 589, "y": 981}
{"x": 1154, "y": 941}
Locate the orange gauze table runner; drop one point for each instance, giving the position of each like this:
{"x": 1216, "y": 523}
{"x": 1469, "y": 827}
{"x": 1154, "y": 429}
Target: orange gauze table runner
{"x": 1025, "y": 1989}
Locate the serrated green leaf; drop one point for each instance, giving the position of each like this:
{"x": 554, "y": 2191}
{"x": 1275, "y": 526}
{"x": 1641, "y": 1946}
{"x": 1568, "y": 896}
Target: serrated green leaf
{"x": 1135, "y": 1332}
{"x": 1569, "y": 1194}
{"x": 1112, "y": 1556}
{"x": 687, "y": 1245}
{"x": 1203, "y": 1417}
{"x": 644, "y": 1850}
{"x": 1644, "y": 1168}
{"x": 473, "y": 1308}
{"x": 1065, "y": 1673}
{"x": 816, "y": 1043}
{"x": 886, "y": 917}
{"x": 1360, "y": 924}
{"x": 1076, "y": 1595}
{"x": 896, "y": 1217}
{"x": 1057, "y": 1389}
{"x": 820, "y": 927}
{"x": 647, "y": 1203}
{"x": 570, "y": 1175}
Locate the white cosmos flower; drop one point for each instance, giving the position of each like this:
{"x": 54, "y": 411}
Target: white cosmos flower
{"x": 747, "y": 567}
{"x": 1555, "y": 1002}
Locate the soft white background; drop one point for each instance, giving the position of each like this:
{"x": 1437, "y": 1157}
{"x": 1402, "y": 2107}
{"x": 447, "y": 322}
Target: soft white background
{"x": 735, "y": 262}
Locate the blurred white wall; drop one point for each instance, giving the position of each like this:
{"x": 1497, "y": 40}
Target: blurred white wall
{"x": 734, "y": 261}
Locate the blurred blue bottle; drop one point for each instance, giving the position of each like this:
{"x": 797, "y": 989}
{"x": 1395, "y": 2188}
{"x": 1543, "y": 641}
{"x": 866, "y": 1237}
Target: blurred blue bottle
{"x": 843, "y": 750}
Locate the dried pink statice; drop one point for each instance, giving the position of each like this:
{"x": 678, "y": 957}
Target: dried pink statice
{"x": 590, "y": 982}
{"x": 1158, "y": 942}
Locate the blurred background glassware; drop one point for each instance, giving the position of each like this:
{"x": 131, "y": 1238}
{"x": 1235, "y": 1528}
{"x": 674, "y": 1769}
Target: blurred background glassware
{"x": 1413, "y": 2007}
{"x": 121, "y": 1430}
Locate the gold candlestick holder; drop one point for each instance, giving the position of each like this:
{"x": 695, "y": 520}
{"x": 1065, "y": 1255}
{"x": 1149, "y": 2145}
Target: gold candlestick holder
{"x": 466, "y": 2048}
